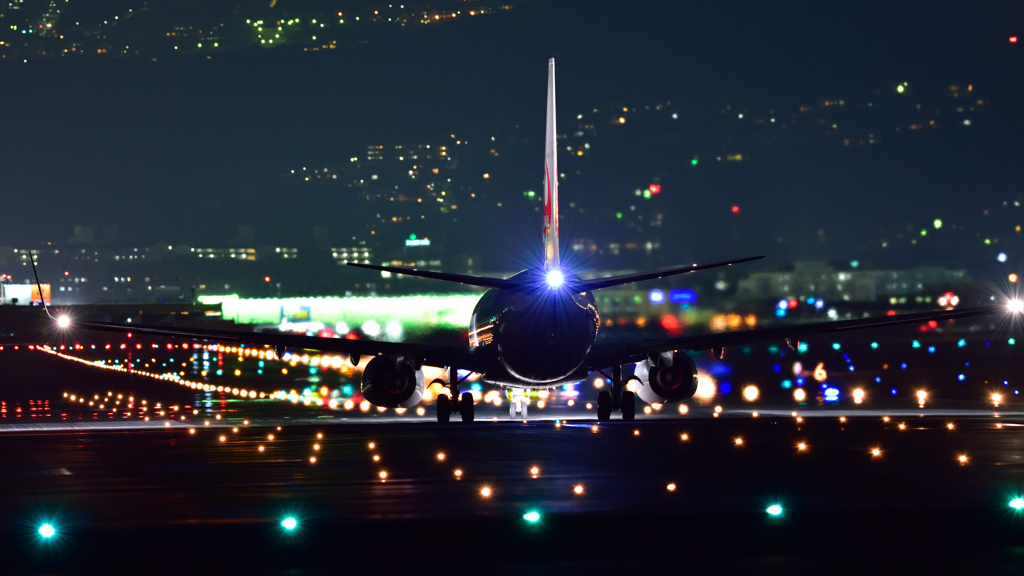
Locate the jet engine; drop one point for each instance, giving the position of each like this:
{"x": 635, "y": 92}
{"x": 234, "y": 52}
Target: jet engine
{"x": 393, "y": 381}
{"x": 667, "y": 377}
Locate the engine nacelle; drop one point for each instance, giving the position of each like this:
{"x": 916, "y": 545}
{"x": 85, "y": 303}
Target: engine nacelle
{"x": 393, "y": 381}
{"x": 668, "y": 377}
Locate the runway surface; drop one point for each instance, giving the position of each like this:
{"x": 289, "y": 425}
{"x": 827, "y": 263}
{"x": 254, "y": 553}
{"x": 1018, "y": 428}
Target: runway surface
{"x": 886, "y": 489}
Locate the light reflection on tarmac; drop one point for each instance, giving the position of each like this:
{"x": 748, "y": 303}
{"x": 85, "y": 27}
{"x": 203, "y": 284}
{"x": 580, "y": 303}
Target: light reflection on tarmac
{"x": 567, "y": 417}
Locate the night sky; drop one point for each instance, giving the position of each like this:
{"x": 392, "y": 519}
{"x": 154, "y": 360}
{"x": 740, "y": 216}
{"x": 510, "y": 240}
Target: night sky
{"x": 185, "y": 149}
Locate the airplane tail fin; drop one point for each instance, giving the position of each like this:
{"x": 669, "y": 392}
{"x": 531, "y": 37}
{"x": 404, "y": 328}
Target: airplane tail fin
{"x": 551, "y": 178}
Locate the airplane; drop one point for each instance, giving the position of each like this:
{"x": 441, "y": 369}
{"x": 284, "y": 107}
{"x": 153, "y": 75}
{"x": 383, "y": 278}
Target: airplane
{"x": 537, "y": 330}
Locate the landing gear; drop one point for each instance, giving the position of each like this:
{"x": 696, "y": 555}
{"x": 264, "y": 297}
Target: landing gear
{"x": 517, "y": 404}
{"x": 444, "y": 409}
{"x": 628, "y": 406}
{"x": 450, "y": 403}
{"x": 604, "y": 406}
{"x": 466, "y": 407}
{"x": 618, "y": 399}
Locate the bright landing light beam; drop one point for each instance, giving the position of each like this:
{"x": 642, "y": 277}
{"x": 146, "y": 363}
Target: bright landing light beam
{"x": 63, "y": 321}
{"x": 555, "y": 278}
{"x": 1016, "y": 306}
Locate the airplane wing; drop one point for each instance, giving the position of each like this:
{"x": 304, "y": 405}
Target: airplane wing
{"x": 604, "y": 355}
{"x": 598, "y": 283}
{"x": 574, "y": 286}
{"x": 439, "y": 355}
{"x": 483, "y": 281}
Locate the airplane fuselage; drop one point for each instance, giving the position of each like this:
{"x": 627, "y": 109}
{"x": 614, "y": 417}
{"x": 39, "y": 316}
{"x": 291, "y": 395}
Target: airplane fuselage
{"x": 537, "y": 337}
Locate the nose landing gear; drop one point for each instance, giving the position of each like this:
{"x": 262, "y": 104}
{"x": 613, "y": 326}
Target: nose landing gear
{"x": 517, "y": 404}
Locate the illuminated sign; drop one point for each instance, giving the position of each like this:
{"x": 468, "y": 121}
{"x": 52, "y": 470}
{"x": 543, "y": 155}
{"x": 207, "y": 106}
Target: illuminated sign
{"x": 414, "y": 241}
{"x": 294, "y": 312}
{"x": 682, "y": 296}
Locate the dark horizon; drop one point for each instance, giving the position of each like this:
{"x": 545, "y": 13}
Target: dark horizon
{"x": 185, "y": 149}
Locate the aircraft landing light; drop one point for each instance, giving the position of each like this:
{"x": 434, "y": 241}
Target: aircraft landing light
{"x": 1016, "y": 306}
{"x": 555, "y": 278}
{"x": 63, "y": 321}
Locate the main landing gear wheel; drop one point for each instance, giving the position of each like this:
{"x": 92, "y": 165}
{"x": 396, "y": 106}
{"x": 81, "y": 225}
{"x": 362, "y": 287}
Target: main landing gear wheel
{"x": 466, "y": 407}
{"x": 444, "y": 408}
{"x": 628, "y": 406}
{"x": 604, "y": 406}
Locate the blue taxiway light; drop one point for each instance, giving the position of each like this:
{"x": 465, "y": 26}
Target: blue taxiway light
{"x": 532, "y": 516}
{"x": 289, "y": 523}
{"x": 774, "y": 510}
{"x": 47, "y": 531}
{"x": 1017, "y": 503}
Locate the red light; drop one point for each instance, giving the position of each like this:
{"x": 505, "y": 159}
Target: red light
{"x": 793, "y": 303}
{"x": 655, "y": 188}
{"x": 933, "y": 324}
{"x": 266, "y": 278}
{"x": 671, "y": 325}
{"x": 66, "y": 272}
{"x": 735, "y": 209}
{"x": 1013, "y": 39}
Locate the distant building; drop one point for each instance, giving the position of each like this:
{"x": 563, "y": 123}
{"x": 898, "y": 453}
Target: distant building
{"x": 820, "y": 280}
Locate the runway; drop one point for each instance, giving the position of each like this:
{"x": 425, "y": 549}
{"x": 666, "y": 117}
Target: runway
{"x": 861, "y": 488}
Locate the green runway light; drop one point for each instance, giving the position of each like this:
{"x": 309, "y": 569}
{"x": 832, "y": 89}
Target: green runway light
{"x": 289, "y": 523}
{"x": 532, "y": 517}
{"x": 47, "y": 531}
{"x": 774, "y": 510}
{"x": 1017, "y": 503}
